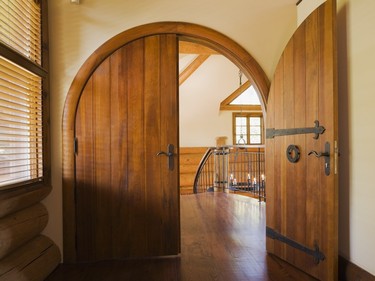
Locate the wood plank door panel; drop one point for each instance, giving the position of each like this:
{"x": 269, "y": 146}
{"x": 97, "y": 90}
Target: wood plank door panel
{"x": 127, "y": 200}
{"x": 302, "y": 201}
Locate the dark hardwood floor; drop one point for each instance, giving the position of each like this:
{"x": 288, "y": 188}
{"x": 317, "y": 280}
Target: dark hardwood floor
{"x": 223, "y": 239}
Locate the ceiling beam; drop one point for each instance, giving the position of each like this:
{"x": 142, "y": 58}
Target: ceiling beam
{"x": 193, "y": 66}
{"x": 225, "y": 104}
{"x": 186, "y": 47}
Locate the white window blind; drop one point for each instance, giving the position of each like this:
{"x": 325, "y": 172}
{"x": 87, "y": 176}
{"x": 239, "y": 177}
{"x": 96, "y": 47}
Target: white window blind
{"x": 20, "y": 27}
{"x": 21, "y": 131}
{"x": 21, "y": 152}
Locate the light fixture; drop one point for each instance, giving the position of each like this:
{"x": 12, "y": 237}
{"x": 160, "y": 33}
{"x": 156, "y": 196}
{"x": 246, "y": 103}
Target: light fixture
{"x": 74, "y": 2}
{"x": 241, "y": 140}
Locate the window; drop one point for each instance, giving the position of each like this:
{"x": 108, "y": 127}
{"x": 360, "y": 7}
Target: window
{"x": 247, "y": 128}
{"x": 23, "y": 76}
{"x": 243, "y": 98}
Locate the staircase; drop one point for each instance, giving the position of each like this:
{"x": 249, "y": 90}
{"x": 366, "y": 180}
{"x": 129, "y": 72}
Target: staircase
{"x": 237, "y": 169}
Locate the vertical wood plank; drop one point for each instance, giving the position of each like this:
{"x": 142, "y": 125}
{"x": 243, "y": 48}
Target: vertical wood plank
{"x": 170, "y": 119}
{"x": 102, "y": 159}
{"x": 327, "y": 107}
{"x": 279, "y": 173}
{"x": 300, "y": 140}
{"x": 154, "y": 195}
{"x": 84, "y": 174}
{"x": 119, "y": 150}
{"x": 289, "y": 199}
{"x": 270, "y": 171}
{"x": 136, "y": 148}
{"x": 313, "y": 168}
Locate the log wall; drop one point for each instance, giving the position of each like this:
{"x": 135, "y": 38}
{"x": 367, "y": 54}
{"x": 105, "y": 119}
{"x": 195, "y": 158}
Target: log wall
{"x": 190, "y": 158}
{"x": 25, "y": 254}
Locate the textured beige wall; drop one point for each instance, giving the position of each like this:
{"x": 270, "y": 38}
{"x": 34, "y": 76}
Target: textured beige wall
{"x": 305, "y": 8}
{"x": 356, "y": 53}
{"x": 261, "y": 27}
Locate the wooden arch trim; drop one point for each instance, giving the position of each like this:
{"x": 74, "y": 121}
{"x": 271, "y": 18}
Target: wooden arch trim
{"x": 186, "y": 32}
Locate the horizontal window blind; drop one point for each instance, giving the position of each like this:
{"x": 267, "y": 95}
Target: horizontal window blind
{"x": 20, "y": 27}
{"x": 21, "y": 150}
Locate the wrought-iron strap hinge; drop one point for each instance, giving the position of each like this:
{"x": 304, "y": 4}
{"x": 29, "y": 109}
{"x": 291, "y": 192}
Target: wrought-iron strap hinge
{"x": 315, "y": 253}
{"x": 317, "y": 130}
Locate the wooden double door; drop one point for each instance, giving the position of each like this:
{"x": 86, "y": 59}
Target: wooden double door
{"x": 126, "y": 130}
{"x": 126, "y": 169}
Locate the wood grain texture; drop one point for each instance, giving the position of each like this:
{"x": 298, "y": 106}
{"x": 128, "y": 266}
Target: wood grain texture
{"x": 20, "y": 227}
{"x": 190, "y": 158}
{"x": 301, "y": 199}
{"x": 127, "y": 199}
{"x": 34, "y": 261}
{"x": 222, "y": 240}
{"x": 169, "y": 230}
{"x": 186, "y": 47}
{"x": 18, "y": 199}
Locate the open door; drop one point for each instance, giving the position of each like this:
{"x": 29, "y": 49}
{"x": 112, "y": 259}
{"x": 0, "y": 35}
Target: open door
{"x": 126, "y": 164}
{"x": 301, "y": 149}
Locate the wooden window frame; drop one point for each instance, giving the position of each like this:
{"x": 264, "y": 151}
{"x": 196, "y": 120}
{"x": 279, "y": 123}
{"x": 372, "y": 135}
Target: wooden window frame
{"x": 247, "y": 115}
{"x": 226, "y": 104}
{"x": 42, "y": 71}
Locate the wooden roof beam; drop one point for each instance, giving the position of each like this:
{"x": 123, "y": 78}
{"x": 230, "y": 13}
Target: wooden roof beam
{"x": 191, "y": 68}
{"x": 186, "y": 47}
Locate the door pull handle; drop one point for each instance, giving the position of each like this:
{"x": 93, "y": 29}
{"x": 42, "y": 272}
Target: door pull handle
{"x": 326, "y": 154}
{"x": 164, "y": 153}
{"x": 318, "y": 155}
{"x": 170, "y": 155}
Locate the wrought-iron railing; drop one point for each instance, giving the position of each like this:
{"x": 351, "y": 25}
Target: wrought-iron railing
{"x": 238, "y": 169}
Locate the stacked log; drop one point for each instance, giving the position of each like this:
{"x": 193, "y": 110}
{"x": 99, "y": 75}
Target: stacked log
{"x": 25, "y": 254}
{"x": 190, "y": 158}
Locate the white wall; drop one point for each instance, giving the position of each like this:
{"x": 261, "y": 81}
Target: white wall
{"x": 356, "y": 45}
{"x": 261, "y": 27}
{"x": 200, "y": 96}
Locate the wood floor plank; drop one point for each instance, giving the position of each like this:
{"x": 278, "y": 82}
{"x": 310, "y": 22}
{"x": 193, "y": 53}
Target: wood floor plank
{"x": 223, "y": 239}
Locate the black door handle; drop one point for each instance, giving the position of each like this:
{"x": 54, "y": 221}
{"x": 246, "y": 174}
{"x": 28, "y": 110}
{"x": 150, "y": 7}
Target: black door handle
{"x": 318, "y": 155}
{"x": 170, "y": 154}
{"x": 326, "y": 155}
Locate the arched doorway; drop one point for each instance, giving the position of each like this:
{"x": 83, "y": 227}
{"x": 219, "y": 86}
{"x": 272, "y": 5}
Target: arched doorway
{"x": 182, "y": 31}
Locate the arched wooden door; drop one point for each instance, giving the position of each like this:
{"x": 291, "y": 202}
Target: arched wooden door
{"x": 127, "y": 197}
{"x": 123, "y": 107}
{"x": 302, "y": 194}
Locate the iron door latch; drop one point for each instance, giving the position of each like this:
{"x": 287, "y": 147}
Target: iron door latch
{"x": 326, "y": 155}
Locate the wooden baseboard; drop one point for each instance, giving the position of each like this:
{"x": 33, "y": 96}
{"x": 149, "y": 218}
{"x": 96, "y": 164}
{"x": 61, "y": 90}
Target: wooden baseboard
{"x": 351, "y": 272}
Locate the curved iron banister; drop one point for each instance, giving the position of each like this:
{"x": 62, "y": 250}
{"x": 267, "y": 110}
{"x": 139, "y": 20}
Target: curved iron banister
{"x": 202, "y": 163}
{"x": 221, "y": 174}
